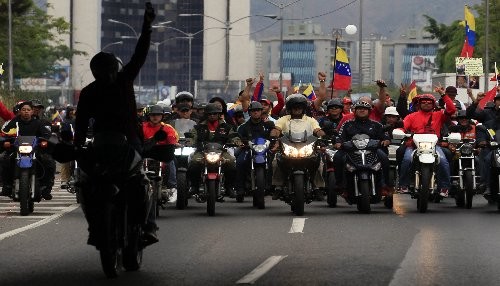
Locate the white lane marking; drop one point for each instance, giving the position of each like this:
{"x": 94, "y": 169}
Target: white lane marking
{"x": 39, "y": 223}
{"x": 297, "y": 225}
{"x": 260, "y": 270}
{"x": 421, "y": 257}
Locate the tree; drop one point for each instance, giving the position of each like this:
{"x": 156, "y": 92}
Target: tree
{"x": 452, "y": 37}
{"x": 36, "y": 41}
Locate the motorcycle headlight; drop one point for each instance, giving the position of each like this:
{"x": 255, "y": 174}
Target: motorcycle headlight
{"x": 186, "y": 151}
{"x": 466, "y": 149}
{"x": 25, "y": 149}
{"x": 361, "y": 144}
{"x": 259, "y": 148}
{"x": 177, "y": 151}
{"x": 305, "y": 151}
{"x": 212, "y": 157}
{"x": 425, "y": 145}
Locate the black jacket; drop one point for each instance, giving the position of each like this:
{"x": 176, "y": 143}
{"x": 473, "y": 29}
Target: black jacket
{"x": 250, "y": 130}
{"x": 34, "y": 127}
{"x": 113, "y": 107}
{"x": 355, "y": 126}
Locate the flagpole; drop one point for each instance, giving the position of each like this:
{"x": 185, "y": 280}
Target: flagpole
{"x": 337, "y": 33}
{"x": 486, "y": 55}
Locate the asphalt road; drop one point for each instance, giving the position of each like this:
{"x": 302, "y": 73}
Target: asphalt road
{"x": 243, "y": 245}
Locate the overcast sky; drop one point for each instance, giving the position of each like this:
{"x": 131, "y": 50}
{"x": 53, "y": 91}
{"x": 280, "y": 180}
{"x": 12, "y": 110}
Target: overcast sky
{"x": 387, "y": 17}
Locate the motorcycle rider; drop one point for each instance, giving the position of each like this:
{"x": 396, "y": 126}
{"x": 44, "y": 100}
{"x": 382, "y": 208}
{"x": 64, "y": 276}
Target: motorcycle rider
{"x": 110, "y": 102}
{"x": 296, "y": 105}
{"x": 28, "y": 126}
{"x": 330, "y": 122}
{"x": 426, "y": 120}
{"x": 254, "y": 128}
{"x": 67, "y": 129}
{"x": 213, "y": 129}
{"x": 362, "y": 124}
{"x": 149, "y": 128}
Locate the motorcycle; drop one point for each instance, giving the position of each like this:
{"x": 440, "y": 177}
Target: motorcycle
{"x": 154, "y": 171}
{"x": 259, "y": 166}
{"x": 298, "y": 160}
{"x": 494, "y": 145}
{"x": 362, "y": 164}
{"x": 212, "y": 177}
{"x": 25, "y": 184}
{"x": 465, "y": 179}
{"x": 182, "y": 154}
{"x": 329, "y": 175}
{"x": 113, "y": 206}
{"x": 424, "y": 165}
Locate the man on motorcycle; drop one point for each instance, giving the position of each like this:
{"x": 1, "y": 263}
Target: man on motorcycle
{"x": 149, "y": 128}
{"x": 213, "y": 129}
{"x": 110, "y": 102}
{"x": 362, "y": 124}
{"x": 254, "y": 128}
{"x": 296, "y": 105}
{"x": 426, "y": 120}
{"x": 25, "y": 125}
{"x": 330, "y": 122}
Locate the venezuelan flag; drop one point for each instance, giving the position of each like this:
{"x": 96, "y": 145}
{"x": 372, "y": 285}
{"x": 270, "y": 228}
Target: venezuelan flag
{"x": 470, "y": 34}
{"x": 412, "y": 91}
{"x": 342, "y": 72}
{"x": 309, "y": 92}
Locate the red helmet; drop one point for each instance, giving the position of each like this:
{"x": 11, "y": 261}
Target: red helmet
{"x": 426, "y": 97}
{"x": 346, "y": 100}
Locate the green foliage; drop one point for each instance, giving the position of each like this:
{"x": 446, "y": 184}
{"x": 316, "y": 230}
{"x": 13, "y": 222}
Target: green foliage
{"x": 452, "y": 37}
{"x": 36, "y": 38}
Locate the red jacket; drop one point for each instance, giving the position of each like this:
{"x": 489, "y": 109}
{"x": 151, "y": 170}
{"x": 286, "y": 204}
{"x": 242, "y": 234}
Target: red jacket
{"x": 5, "y": 113}
{"x": 150, "y": 130}
{"x": 416, "y": 122}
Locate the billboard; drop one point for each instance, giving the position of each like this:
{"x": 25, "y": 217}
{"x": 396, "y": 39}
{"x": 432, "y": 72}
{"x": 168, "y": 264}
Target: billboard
{"x": 422, "y": 70}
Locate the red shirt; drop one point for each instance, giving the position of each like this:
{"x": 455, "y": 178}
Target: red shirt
{"x": 149, "y": 131}
{"x": 375, "y": 115}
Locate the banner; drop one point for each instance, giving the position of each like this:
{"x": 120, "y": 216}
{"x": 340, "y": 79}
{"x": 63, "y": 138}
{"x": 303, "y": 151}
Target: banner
{"x": 422, "y": 70}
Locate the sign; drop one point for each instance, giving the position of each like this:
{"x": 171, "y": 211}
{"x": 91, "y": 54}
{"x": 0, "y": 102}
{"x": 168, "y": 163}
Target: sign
{"x": 469, "y": 66}
{"x": 422, "y": 70}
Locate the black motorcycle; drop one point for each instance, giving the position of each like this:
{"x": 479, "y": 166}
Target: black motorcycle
{"x": 362, "y": 166}
{"x": 182, "y": 154}
{"x": 298, "y": 161}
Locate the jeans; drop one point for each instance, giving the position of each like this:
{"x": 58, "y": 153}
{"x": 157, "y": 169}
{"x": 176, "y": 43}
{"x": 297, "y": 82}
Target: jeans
{"x": 443, "y": 170}
{"x": 172, "y": 175}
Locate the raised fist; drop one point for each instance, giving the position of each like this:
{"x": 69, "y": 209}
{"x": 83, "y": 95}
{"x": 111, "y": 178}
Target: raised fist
{"x": 149, "y": 13}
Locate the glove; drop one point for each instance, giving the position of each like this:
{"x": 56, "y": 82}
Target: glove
{"x": 149, "y": 14}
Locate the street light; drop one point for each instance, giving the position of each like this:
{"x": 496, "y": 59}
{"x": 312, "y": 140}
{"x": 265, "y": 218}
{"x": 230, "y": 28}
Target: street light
{"x": 337, "y": 33}
{"x": 104, "y": 48}
{"x": 281, "y": 6}
{"x": 227, "y": 26}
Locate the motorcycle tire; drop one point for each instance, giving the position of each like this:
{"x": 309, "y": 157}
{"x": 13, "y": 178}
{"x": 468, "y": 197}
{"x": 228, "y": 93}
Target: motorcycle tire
{"x": 24, "y": 192}
{"x": 132, "y": 252}
{"x": 460, "y": 198}
{"x": 260, "y": 192}
{"x": 469, "y": 188}
{"x": 423, "y": 193}
{"x": 211, "y": 196}
{"x": 182, "y": 191}
{"x": 389, "y": 202}
{"x": 156, "y": 185}
{"x": 110, "y": 261}
{"x": 331, "y": 196}
{"x": 363, "y": 201}
{"x": 299, "y": 200}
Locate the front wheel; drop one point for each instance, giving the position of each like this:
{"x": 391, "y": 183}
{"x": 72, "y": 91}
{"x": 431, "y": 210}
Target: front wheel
{"x": 423, "y": 193}
{"x": 331, "y": 193}
{"x": 211, "y": 196}
{"x": 298, "y": 189}
{"x": 110, "y": 261}
{"x": 132, "y": 253}
{"x": 182, "y": 191}
{"x": 363, "y": 201}
{"x": 260, "y": 183}
{"x": 24, "y": 192}
{"x": 469, "y": 188}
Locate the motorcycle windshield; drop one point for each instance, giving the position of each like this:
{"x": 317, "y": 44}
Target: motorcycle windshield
{"x": 183, "y": 126}
{"x": 299, "y": 130}
{"x": 24, "y": 140}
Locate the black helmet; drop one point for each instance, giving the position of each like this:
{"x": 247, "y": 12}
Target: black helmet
{"x": 103, "y": 65}
{"x": 334, "y": 102}
{"x": 213, "y": 108}
{"x": 255, "y": 106}
{"x": 184, "y": 95}
{"x": 155, "y": 109}
{"x": 362, "y": 104}
{"x": 461, "y": 114}
{"x": 296, "y": 100}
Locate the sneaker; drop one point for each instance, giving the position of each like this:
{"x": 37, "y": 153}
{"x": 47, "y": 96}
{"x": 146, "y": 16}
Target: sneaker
{"x": 173, "y": 195}
{"x": 444, "y": 192}
{"x": 403, "y": 190}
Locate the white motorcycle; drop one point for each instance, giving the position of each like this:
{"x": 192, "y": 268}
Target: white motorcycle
{"x": 424, "y": 166}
